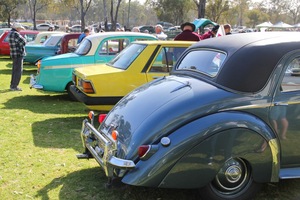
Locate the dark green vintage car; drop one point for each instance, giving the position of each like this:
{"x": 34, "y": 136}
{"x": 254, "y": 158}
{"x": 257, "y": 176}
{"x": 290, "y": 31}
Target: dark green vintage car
{"x": 225, "y": 121}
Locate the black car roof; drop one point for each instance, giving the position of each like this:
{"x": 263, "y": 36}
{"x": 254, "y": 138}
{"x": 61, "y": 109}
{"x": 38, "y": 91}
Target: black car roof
{"x": 251, "y": 57}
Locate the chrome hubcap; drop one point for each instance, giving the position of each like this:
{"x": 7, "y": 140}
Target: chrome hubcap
{"x": 232, "y": 176}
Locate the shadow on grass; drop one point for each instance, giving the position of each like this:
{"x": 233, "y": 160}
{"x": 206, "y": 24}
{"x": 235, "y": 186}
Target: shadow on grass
{"x": 27, "y": 71}
{"x": 48, "y": 104}
{"x": 90, "y": 184}
{"x": 60, "y": 133}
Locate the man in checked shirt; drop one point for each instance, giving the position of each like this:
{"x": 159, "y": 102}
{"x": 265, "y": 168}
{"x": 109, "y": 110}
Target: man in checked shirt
{"x": 17, "y": 53}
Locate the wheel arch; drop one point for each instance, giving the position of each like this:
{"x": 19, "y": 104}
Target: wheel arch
{"x": 188, "y": 153}
{"x": 239, "y": 135}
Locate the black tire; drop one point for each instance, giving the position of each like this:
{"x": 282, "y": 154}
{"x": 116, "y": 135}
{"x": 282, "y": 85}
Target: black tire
{"x": 70, "y": 94}
{"x": 233, "y": 181}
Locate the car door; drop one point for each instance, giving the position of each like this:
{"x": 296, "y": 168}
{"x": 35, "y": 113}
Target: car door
{"x": 285, "y": 113}
{"x": 164, "y": 61}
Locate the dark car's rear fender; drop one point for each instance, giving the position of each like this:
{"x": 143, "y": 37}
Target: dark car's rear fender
{"x": 186, "y": 163}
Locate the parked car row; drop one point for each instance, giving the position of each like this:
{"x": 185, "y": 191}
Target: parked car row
{"x": 55, "y": 72}
{"x": 220, "y": 115}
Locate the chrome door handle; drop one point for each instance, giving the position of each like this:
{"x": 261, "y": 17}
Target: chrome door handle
{"x": 280, "y": 104}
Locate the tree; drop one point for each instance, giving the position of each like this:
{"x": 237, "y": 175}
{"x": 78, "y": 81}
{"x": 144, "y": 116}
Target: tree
{"x": 114, "y": 18}
{"x": 201, "y": 4}
{"x": 7, "y": 8}
{"x": 254, "y": 17}
{"x": 216, "y": 8}
{"x": 174, "y": 11}
{"x": 292, "y": 9}
{"x": 84, "y": 7}
{"x": 274, "y": 9}
{"x": 35, "y": 6}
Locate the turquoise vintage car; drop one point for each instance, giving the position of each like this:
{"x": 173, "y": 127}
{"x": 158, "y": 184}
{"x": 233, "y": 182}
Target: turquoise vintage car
{"x": 55, "y": 73}
{"x": 52, "y": 46}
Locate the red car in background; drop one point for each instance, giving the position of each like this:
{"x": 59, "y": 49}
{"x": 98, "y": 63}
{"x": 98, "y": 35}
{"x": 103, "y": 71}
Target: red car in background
{"x": 4, "y": 46}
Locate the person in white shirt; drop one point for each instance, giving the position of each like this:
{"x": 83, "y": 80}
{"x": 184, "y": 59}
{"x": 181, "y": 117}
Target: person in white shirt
{"x": 159, "y": 32}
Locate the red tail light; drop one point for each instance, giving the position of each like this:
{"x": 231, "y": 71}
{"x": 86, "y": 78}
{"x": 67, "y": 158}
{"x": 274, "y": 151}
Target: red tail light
{"x": 101, "y": 118}
{"x": 143, "y": 150}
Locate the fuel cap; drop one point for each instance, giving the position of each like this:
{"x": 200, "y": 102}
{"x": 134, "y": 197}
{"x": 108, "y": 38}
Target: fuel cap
{"x": 165, "y": 141}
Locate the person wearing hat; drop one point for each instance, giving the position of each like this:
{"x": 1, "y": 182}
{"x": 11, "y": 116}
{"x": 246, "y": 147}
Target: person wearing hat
{"x": 188, "y": 33}
{"x": 210, "y": 34}
{"x": 17, "y": 53}
{"x": 159, "y": 32}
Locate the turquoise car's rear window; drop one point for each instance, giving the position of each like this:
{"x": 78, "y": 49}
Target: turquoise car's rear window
{"x": 84, "y": 47}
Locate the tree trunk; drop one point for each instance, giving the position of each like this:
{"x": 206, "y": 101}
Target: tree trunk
{"x": 128, "y": 14}
{"x": 201, "y": 9}
{"x": 82, "y": 14}
{"x": 112, "y": 15}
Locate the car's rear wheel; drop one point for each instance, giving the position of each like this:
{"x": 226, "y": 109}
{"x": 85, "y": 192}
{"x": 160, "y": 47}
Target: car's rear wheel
{"x": 233, "y": 181}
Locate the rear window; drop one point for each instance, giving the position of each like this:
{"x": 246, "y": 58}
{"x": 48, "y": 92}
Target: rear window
{"x": 204, "y": 61}
{"x": 131, "y": 53}
{"x": 53, "y": 41}
{"x": 84, "y": 47}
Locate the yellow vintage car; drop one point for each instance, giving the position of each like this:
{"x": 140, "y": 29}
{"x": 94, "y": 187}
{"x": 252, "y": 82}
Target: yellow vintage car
{"x": 101, "y": 86}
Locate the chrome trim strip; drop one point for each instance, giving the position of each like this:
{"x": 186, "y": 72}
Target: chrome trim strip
{"x": 265, "y": 105}
{"x": 289, "y": 173}
{"x": 66, "y": 66}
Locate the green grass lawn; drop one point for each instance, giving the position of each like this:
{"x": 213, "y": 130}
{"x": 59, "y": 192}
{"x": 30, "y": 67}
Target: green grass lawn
{"x": 39, "y": 142}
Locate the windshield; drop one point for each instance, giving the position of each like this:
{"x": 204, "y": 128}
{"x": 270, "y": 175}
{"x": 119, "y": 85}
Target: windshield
{"x": 54, "y": 40}
{"x": 130, "y": 54}
{"x": 84, "y": 47}
{"x": 204, "y": 61}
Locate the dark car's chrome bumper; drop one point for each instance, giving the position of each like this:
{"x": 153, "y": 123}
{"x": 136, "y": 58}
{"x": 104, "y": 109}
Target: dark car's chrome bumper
{"x": 103, "y": 149}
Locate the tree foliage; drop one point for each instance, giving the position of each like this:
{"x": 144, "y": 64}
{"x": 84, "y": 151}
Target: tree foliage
{"x": 35, "y": 6}
{"x": 174, "y": 11}
{"x": 292, "y": 9}
{"x": 215, "y": 9}
{"x": 8, "y": 9}
{"x": 133, "y": 13}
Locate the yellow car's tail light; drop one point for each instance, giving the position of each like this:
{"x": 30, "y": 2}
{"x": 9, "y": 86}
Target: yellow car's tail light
{"x": 87, "y": 87}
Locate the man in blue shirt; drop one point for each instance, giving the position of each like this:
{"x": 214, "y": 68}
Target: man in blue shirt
{"x": 85, "y": 33}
